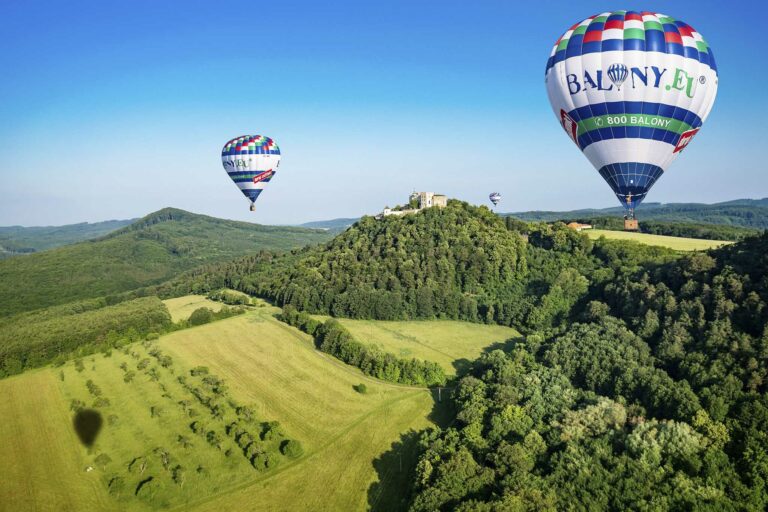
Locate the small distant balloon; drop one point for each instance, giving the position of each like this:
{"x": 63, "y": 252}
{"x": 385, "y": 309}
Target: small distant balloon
{"x": 251, "y": 161}
{"x": 495, "y": 197}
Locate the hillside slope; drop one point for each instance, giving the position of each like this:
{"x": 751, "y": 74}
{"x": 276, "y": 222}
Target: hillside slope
{"x": 15, "y": 240}
{"x": 151, "y": 250}
{"x": 460, "y": 262}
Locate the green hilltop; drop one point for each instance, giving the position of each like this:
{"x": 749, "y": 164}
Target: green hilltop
{"x": 148, "y": 251}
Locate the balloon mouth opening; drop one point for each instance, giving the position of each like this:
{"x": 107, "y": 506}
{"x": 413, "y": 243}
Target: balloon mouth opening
{"x": 630, "y": 200}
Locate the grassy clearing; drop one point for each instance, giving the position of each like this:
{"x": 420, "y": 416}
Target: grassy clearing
{"x": 268, "y": 366}
{"x": 449, "y": 343}
{"x": 42, "y": 465}
{"x": 276, "y": 368}
{"x": 181, "y": 307}
{"x": 672, "y": 242}
{"x": 147, "y": 431}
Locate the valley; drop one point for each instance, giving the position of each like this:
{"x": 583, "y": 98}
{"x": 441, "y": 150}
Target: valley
{"x": 267, "y": 366}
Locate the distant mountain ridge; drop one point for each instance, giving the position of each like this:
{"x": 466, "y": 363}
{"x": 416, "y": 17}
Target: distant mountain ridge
{"x": 750, "y": 213}
{"x": 148, "y": 251}
{"x": 15, "y": 240}
{"x": 334, "y": 225}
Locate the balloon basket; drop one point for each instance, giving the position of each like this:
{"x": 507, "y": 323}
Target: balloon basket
{"x": 631, "y": 225}
{"x": 253, "y": 207}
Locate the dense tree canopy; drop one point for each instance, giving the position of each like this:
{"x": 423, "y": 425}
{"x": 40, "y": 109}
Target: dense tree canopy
{"x": 655, "y": 398}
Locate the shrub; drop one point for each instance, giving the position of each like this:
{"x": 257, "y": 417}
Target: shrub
{"x": 199, "y": 370}
{"x": 102, "y": 460}
{"x": 116, "y": 486}
{"x": 360, "y": 388}
{"x": 292, "y": 449}
{"x": 101, "y": 402}
{"x": 200, "y": 316}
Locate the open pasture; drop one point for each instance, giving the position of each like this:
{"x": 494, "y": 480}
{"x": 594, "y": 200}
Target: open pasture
{"x": 671, "y": 242}
{"x": 449, "y": 343}
{"x": 148, "y": 456}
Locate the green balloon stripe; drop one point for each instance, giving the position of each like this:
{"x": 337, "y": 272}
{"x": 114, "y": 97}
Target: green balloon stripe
{"x": 639, "y": 120}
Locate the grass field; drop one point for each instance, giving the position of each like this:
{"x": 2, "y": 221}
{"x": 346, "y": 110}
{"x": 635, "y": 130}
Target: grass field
{"x": 181, "y": 307}
{"x": 268, "y": 366}
{"x": 42, "y": 463}
{"x": 672, "y": 242}
{"x": 451, "y": 344}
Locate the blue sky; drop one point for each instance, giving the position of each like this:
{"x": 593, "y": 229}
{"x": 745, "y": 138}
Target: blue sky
{"x": 116, "y": 109}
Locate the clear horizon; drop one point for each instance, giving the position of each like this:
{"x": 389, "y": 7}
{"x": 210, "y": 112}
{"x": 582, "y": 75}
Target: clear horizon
{"x": 115, "y": 112}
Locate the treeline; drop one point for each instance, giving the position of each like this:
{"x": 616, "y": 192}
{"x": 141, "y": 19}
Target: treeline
{"x": 652, "y": 393}
{"x": 205, "y": 315}
{"x": 333, "y": 338}
{"x": 33, "y": 339}
{"x": 230, "y": 297}
{"x": 749, "y": 213}
{"x": 681, "y": 229}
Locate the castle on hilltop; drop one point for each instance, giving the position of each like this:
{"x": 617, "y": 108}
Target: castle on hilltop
{"x": 416, "y": 201}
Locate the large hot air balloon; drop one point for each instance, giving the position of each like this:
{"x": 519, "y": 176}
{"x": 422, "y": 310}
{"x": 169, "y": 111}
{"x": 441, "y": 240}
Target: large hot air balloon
{"x": 631, "y": 89}
{"x": 251, "y": 162}
{"x": 495, "y": 197}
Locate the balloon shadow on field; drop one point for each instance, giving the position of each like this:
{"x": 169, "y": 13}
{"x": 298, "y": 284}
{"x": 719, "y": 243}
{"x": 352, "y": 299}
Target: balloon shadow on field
{"x": 87, "y": 424}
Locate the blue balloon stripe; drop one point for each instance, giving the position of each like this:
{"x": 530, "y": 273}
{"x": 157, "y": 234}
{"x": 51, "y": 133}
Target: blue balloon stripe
{"x": 245, "y": 174}
{"x": 250, "y": 180}
{"x": 635, "y": 107}
{"x": 628, "y": 132}
{"x": 252, "y": 193}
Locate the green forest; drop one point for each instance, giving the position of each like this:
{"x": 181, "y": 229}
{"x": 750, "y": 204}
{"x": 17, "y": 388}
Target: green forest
{"x": 641, "y": 381}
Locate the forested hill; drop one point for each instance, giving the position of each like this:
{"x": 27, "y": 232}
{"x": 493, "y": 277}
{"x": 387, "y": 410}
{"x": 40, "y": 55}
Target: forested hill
{"x": 748, "y": 213}
{"x": 654, "y": 396}
{"x": 151, "y": 250}
{"x": 444, "y": 262}
{"x": 459, "y": 262}
{"x": 642, "y": 382}
{"x": 19, "y": 240}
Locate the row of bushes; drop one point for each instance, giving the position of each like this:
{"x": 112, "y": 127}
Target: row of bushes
{"x": 333, "y": 338}
{"x": 230, "y": 297}
{"x": 205, "y": 315}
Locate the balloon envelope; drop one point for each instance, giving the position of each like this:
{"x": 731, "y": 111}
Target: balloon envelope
{"x": 631, "y": 89}
{"x": 251, "y": 162}
{"x": 495, "y": 197}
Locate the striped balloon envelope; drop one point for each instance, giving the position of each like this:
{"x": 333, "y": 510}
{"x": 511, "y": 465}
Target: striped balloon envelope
{"x": 251, "y": 162}
{"x": 631, "y": 89}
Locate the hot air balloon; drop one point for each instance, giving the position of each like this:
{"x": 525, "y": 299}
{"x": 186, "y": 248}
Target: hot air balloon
{"x": 251, "y": 162}
{"x": 631, "y": 89}
{"x": 495, "y": 197}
